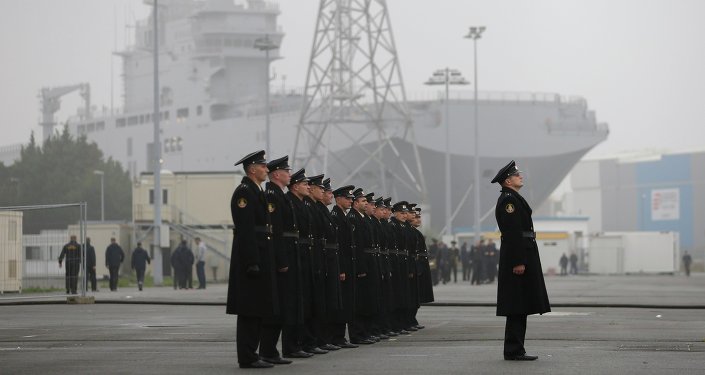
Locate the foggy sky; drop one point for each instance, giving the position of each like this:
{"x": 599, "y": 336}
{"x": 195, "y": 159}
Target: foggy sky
{"x": 639, "y": 63}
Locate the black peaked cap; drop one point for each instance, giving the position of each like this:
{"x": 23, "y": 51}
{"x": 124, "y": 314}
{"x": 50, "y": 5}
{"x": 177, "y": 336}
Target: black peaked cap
{"x": 388, "y": 202}
{"x": 506, "y": 171}
{"x": 400, "y": 206}
{"x": 358, "y": 193}
{"x": 326, "y": 185}
{"x": 281, "y": 163}
{"x": 256, "y": 157}
{"x": 298, "y": 176}
{"x": 344, "y": 191}
{"x": 316, "y": 180}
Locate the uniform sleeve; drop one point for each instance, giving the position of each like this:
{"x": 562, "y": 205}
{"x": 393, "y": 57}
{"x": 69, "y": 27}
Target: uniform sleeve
{"x": 510, "y": 225}
{"x": 243, "y": 207}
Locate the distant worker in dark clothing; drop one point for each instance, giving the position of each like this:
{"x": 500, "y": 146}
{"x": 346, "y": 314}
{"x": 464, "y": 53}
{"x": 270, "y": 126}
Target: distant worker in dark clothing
{"x": 90, "y": 265}
{"x": 573, "y": 264}
{"x": 454, "y": 260}
{"x": 140, "y": 259}
{"x": 72, "y": 252}
{"x": 444, "y": 261}
{"x": 201, "y": 263}
{"x": 433, "y": 260}
{"x": 493, "y": 259}
{"x": 182, "y": 261}
{"x": 113, "y": 258}
{"x": 563, "y": 262}
{"x": 687, "y": 260}
{"x": 188, "y": 265}
{"x": 477, "y": 256}
{"x": 176, "y": 264}
{"x": 465, "y": 261}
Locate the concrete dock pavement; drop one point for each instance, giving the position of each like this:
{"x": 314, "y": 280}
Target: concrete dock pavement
{"x": 624, "y": 291}
{"x": 162, "y": 331}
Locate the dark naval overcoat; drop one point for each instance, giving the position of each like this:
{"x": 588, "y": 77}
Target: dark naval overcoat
{"x": 251, "y": 294}
{"x": 518, "y": 294}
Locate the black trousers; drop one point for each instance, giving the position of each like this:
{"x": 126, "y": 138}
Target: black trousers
{"x": 248, "y": 338}
{"x": 466, "y": 271}
{"x": 92, "y": 279}
{"x": 140, "y": 275}
{"x": 72, "y": 269}
{"x": 201, "y": 273}
{"x": 114, "y": 273}
{"x": 290, "y": 339}
{"x": 514, "y": 333}
{"x": 268, "y": 340}
{"x": 338, "y": 333}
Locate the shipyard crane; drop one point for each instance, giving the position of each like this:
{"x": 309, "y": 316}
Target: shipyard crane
{"x": 51, "y": 102}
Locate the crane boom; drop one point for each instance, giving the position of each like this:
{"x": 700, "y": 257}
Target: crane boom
{"x": 51, "y": 103}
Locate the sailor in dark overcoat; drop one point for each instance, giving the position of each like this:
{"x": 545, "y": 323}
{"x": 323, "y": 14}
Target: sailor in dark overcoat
{"x": 347, "y": 263}
{"x": 328, "y": 281}
{"x": 400, "y": 268}
{"x": 284, "y": 238}
{"x": 521, "y": 290}
{"x": 299, "y": 192}
{"x": 385, "y": 295}
{"x": 366, "y": 306}
{"x": 422, "y": 265}
{"x": 252, "y": 292}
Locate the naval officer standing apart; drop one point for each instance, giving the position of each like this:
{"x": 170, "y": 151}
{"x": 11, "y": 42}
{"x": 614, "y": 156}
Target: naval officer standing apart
{"x": 521, "y": 290}
{"x": 252, "y": 288}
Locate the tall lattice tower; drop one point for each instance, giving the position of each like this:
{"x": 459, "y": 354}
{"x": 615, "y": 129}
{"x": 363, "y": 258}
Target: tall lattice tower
{"x": 355, "y": 124}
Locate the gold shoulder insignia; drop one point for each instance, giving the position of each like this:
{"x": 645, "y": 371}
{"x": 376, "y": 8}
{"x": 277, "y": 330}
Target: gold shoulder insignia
{"x": 270, "y": 207}
{"x": 509, "y": 208}
{"x": 242, "y": 202}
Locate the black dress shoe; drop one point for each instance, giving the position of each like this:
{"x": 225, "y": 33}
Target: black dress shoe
{"x": 404, "y": 332}
{"x": 276, "y": 360}
{"x": 256, "y": 364}
{"x": 362, "y": 342}
{"x": 383, "y": 337}
{"x": 330, "y": 347}
{"x": 520, "y": 357}
{"x": 315, "y": 351}
{"x": 419, "y": 326}
{"x": 391, "y": 334}
{"x": 412, "y": 329}
{"x": 299, "y": 354}
{"x": 346, "y": 345}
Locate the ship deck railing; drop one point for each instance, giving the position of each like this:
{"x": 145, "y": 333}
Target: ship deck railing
{"x": 498, "y": 96}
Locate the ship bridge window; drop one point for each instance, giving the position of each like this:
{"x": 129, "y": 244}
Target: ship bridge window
{"x": 199, "y": 110}
{"x": 120, "y": 123}
{"x": 100, "y": 125}
{"x": 81, "y": 129}
{"x": 133, "y": 120}
{"x": 90, "y": 127}
{"x": 181, "y": 113}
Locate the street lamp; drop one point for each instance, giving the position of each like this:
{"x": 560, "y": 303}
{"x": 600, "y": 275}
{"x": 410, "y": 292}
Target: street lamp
{"x": 265, "y": 44}
{"x": 102, "y": 194}
{"x": 475, "y": 33}
{"x": 447, "y": 77}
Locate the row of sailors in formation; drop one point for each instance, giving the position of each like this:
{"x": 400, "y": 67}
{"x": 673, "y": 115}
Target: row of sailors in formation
{"x": 310, "y": 274}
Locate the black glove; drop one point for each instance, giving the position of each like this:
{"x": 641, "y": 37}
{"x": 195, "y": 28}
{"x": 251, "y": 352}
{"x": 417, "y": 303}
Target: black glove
{"x": 252, "y": 270}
